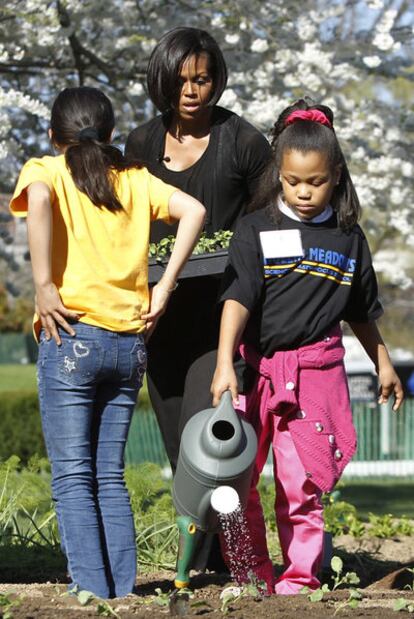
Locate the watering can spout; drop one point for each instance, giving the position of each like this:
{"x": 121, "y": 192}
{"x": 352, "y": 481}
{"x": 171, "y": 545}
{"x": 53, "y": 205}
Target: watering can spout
{"x": 189, "y": 535}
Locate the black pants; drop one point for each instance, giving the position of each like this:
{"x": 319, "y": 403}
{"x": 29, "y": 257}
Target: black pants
{"x": 182, "y": 356}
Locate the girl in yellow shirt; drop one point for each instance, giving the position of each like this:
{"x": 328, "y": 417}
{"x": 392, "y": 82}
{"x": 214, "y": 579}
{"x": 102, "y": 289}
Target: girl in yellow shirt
{"x": 88, "y": 216}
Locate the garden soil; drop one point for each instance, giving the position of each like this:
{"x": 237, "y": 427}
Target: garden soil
{"x": 380, "y": 564}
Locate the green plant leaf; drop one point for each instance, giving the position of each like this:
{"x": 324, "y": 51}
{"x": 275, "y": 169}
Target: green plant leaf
{"x": 352, "y": 578}
{"x": 316, "y": 596}
{"x": 400, "y": 604}
{"x": 85, "y": 597}
{"x": 227, "y": 597}
{"x": 105, "y": 610}
{"x": 353, "y": 603}
{"x": 337, "y": 565}
{"x": 162, "y": 599}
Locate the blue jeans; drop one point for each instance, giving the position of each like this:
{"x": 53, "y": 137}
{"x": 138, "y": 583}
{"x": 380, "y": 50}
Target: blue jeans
{"x": 88, "y": 388}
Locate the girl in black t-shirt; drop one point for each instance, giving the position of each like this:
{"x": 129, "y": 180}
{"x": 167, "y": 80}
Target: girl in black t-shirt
{"x": 298, "y": 265}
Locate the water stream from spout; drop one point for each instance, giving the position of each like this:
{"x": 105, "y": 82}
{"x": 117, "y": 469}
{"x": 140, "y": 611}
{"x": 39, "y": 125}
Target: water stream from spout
{"x": 238, "y": 544}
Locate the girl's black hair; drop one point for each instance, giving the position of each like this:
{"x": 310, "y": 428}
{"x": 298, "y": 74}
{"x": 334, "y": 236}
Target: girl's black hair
{"x": 168, "y": 57}
{"x": 305, "y": 136}
{"x": 82, "y": 121}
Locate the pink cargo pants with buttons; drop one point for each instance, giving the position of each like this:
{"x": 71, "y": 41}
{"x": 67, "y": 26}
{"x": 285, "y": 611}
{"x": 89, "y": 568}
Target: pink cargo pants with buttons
{"x": 298, "y": 507}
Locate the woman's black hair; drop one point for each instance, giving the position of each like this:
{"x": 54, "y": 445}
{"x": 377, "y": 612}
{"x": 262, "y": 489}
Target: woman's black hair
{"x": 168, "y": 57}
{"x": 82, "y": 121}
{"x": 305, "y": 136}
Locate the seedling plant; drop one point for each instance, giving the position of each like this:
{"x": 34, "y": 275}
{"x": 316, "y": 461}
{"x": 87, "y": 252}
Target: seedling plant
{"x": 348, "y": 579}
{"x": 103, "y": 608}
{"x": 231, "y": 595}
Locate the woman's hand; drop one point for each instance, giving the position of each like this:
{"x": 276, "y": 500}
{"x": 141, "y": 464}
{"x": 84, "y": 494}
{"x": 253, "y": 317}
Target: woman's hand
{"x": 160, "y": 295}
{"x": 224, "y": 378}
{"x": 390, "y": 384}
{"x": 52, "y": 312}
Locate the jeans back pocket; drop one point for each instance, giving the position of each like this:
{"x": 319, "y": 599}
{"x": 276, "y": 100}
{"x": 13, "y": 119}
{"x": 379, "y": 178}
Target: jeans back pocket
{"x": 79, "y": 361}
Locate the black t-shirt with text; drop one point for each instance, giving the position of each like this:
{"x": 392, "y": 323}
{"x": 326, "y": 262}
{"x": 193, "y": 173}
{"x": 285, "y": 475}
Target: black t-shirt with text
{"x": 295, "y": 300}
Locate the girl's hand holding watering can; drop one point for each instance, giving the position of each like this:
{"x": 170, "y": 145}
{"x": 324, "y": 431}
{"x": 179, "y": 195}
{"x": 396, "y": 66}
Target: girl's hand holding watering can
{"x": 224, "y": 378}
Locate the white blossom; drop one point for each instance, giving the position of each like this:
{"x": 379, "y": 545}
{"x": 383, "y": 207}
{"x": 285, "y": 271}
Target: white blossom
{"x": 383, "y": 41}
{"x": 259, "y": 46}
{"x": 122, "y": 42}
{"x": 398, "y": 194}
{"x": 407, "y": 169}
{"x": 217, "y": 21}
{"x": 393, "y": 134}
{"x": 232, "y": 39}
{"x": 387, "y": 21}
{"x": 392, "y": 266}
{"x": 372, "y": 61}
{"x": 135, "y": 89}
{"x": 228, "y": 98}
{"x": 3, "y": 149}
{"x": 306, "y": 28}
{"x": 359, "y": 153}
{"x": 14, "y": 98}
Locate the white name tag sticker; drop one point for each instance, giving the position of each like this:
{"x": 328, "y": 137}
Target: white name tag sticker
{"x": 281, "y": 244}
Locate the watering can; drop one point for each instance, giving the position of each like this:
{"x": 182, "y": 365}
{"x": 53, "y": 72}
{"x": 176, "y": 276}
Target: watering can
{"x": 214, "y": 469}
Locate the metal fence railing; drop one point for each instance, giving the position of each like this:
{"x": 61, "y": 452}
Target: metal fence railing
{"x": 17, "y": 348}
{"x": 145, "y": 443}
{"x": 385, "y": 441}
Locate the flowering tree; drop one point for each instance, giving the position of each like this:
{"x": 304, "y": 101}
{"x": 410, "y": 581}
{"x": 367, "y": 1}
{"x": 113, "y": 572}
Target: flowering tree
{"x": 355, "y": 55}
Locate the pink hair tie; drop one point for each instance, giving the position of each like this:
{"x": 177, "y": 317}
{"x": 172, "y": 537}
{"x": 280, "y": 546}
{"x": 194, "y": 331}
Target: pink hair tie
{"x": 314, "y": 115}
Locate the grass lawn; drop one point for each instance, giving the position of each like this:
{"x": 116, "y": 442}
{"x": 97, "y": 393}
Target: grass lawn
{"x": 17, "y": 377}
{"x": 391, "y": 496}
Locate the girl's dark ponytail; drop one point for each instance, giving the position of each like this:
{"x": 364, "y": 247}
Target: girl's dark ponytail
{"x": 91, "y": 164}
{"x": 82, "y": 122}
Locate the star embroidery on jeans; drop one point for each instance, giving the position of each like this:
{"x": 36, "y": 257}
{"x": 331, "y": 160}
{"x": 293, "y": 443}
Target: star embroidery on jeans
{"x": 70, "y": 365}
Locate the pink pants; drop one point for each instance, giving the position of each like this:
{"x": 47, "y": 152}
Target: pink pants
{"x": 298, "y": 507}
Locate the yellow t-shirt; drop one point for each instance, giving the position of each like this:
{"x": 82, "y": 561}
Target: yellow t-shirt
{"x": 99, "y": 257}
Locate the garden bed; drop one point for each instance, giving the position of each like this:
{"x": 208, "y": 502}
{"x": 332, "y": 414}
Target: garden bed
{"x": 371, "y": 562}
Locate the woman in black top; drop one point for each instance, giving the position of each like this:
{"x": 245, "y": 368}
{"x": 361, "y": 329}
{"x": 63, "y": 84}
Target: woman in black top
{"x": 217, "y": 157}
